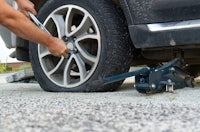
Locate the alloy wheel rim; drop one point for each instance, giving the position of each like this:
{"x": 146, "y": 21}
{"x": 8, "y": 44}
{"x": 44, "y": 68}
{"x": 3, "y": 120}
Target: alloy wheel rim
{"x": 80, "y": 32}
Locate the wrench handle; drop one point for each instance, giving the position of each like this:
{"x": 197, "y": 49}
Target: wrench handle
{"x": 37, "y": 22}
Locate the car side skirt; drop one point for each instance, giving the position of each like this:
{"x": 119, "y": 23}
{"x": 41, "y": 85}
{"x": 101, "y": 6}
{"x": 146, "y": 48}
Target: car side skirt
{"x": 169, "y": 34}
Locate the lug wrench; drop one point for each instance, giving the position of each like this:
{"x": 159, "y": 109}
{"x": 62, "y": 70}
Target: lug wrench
{"x": 37, "y": 22}
{"x": 41, "y": 26}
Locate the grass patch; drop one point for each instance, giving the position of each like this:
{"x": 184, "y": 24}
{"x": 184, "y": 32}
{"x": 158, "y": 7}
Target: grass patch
{"x": 5, "y": 68}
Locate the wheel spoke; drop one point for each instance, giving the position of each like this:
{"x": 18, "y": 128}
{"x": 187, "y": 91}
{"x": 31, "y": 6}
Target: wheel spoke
{"x": 88, "y": 36}
{"x": 83, "y": 27}
{"x": 84, "y": 53}
{"x": 56, "y": 67}
{"x": 60, "y": 24}
{"x": 66, "y": 73}
{"x": 68, "y": 20}
{"x": 81, "y": 66}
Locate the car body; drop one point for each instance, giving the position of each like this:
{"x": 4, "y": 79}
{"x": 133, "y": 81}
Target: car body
{"x": 150, "y": 33}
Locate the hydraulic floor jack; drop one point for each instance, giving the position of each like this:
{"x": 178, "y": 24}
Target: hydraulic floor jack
{"x": 167, "y": 77}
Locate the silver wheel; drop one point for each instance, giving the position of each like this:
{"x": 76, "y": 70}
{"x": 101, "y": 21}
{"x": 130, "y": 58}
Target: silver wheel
{"x": 79, "y": 30}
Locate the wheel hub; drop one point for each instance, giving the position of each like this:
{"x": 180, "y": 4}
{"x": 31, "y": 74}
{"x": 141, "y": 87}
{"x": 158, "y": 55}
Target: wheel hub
{"x": 72, "y": 48}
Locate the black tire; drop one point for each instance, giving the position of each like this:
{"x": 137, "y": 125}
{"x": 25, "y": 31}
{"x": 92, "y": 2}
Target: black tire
{"x": 116, "y": 50}
{"x": 193, "y": 70}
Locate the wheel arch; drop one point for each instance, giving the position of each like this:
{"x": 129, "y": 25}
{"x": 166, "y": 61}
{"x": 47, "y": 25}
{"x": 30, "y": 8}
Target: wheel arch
{"x": 39, "y": 4}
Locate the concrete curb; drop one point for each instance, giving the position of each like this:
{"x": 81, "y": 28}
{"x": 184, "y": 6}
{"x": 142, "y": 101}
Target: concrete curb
{"x": 3, "y": 77}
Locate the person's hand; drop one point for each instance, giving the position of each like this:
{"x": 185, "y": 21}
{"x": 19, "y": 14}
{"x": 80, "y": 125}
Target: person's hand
{"x": 57, "y": 47}
{"x": 25, "y": 6}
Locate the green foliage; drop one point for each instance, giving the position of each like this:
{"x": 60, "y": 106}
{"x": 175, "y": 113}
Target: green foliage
{"x": 23, "y": 67}
{"x": 3, "y": 67}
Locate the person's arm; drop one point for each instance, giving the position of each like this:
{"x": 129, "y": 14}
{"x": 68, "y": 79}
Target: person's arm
{"x": 23, "y": 27}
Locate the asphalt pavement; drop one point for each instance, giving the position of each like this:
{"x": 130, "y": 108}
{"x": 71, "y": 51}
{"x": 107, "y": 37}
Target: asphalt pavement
{"x": 26, "y": 107}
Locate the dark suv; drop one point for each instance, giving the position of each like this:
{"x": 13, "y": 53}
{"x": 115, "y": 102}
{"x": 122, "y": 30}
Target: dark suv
{"x": 109, "y": 36}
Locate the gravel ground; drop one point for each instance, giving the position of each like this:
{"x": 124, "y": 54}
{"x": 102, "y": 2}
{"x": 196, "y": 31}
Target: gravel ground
{"x": 25, "y": 107}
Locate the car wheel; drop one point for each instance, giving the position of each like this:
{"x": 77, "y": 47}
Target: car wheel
{"x": 96, "y": 32}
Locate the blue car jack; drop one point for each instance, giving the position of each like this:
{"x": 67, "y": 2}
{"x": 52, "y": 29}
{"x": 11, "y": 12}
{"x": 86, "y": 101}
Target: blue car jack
{"x": 167, "y": 77}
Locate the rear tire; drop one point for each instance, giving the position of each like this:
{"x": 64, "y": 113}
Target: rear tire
{"x": 112, "y": 50}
